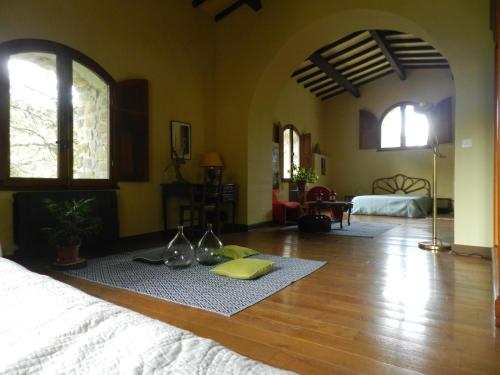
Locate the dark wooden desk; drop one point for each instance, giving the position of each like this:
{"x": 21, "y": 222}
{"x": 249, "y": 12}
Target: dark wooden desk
{"x": 338, "y": 208}
{"x": 172, "y": 190}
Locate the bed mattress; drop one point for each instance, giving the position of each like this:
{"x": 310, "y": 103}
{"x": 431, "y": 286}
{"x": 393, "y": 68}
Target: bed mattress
{"x": 392, "y": 205}
{"x": 48, "y": 327}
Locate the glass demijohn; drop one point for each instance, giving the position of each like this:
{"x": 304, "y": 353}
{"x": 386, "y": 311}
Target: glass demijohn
{"x": 179, "y": 252}
{"x": 207, "y": 246}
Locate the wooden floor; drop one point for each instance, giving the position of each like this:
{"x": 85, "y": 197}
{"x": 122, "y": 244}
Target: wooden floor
{"x": 380, "y": 306}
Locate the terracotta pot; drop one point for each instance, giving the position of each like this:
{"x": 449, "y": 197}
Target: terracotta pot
{"x": 68, "y": 254}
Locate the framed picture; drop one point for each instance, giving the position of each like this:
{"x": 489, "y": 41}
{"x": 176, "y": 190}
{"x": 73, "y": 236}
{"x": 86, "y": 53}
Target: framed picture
{"x": 323, "y": 166}
{"x": 276, "y": 165}
{"x": 180, "y": 140}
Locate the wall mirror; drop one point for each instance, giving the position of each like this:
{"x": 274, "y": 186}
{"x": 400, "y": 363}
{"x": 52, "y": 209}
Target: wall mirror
{"x": 180, "y": 140}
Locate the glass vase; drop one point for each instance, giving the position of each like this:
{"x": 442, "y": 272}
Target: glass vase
{"x": 179, "y": 251}
{"x": 207, "y": 247}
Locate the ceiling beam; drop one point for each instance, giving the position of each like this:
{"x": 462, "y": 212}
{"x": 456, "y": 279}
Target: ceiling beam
{"x": 330, "y": 71}
{"x": 256, "y": 5}
{"x": 197, "y": 3}
{"x": 391, "y": 57}
{"x": 339, "y": 62}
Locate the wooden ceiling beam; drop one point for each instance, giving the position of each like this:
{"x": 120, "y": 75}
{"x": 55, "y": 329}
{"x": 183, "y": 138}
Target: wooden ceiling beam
{"x": 324, "y": 85}
{"x": 412, "y": 48}
{"x": 370, "y": 73}
{"x": 330, "y": 71}
{"x": 389, "y": 55}
{"x": 332, "y": 95}
{"x": 338, "y": 63}
{"x": 338, "y": 54}
{"x": 197, "y": 3}
{"x": 375, "y": 78}
{"x": 428, "y": 66}
{"x": 418, "y": 54}
{"x": 424, "y": 61}
{"x": 315, "y": 82}
{"x": 253, "y": 4}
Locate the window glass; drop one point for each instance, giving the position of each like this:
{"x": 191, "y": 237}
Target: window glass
{"x": 287, "y": 154}
{"x": 296, "y": 149}
{"x": 416, "y": 127}
{"x": 90, "y": 97}
{"x": 391, "y": 129}
{"x": 33, "y": 115}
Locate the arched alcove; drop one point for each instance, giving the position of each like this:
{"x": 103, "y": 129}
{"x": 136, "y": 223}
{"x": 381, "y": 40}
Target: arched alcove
{"x": 276, "y": 71}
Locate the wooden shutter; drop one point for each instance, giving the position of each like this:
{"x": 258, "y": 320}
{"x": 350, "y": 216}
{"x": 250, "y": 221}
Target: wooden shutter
{"x": 306, "y": 151}
{"x": 369, "y": 131}
{"x": 441, "y": 119}
{"x": 131, "y": 130}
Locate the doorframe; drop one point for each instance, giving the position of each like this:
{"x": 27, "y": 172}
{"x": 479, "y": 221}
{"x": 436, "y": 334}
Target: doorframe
{"x": 496, "y": 188}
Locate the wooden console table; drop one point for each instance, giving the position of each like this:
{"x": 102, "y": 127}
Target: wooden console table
{"x": 338, "y": 208}
{"x": 179, "y": 190}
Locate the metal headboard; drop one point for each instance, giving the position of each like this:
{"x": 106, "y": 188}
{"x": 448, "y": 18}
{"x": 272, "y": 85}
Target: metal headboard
{"x": 400, "y": 183}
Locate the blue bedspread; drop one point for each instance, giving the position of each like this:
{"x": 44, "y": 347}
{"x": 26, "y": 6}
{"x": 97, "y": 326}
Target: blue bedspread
{"x": 392, "y": 205}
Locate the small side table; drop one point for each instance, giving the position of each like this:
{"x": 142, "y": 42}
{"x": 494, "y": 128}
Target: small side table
{"x": 338, "y": 208}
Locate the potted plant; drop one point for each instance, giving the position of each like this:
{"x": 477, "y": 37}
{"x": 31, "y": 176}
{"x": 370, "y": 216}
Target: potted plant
{"x": 301, "y": 176}
{"x": 73, "y": 221}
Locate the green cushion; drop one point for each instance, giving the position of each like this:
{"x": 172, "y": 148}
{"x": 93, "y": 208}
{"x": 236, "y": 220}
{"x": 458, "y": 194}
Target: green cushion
{"x": 244, "y": 269}
{"x": 235, "y": 252}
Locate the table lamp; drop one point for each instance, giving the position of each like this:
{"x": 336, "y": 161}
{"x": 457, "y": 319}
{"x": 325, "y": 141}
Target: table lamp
{"x": 212, "y": 161}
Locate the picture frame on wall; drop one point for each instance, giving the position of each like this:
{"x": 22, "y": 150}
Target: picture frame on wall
{"x": 276, "y": 165}
{"x": 180, "y": 140}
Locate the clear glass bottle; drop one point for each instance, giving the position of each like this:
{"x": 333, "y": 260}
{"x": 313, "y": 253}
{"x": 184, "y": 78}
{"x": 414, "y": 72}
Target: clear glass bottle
{"x": 179, "y": 251}
{"x": 205, "y": 250}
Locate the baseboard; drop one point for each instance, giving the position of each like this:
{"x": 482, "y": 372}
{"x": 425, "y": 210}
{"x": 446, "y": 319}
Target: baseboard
{"x": 264, "y": 224}
{"x": 467, "y": 250}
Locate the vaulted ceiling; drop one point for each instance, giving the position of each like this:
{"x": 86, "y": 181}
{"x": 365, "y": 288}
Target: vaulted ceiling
{"x": 363, "y": 57}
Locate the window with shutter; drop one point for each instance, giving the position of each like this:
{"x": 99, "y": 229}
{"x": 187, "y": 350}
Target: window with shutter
{"x": 55, "y": 117}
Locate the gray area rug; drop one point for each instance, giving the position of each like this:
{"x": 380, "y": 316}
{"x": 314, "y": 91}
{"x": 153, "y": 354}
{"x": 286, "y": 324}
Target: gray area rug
{"x": 194, "y": 286}
{"x": 361, "y": 229}
{"x": 367, "y": 229}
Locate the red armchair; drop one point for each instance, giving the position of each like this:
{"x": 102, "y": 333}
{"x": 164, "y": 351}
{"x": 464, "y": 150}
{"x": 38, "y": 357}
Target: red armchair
{"x": 284, "y": 209}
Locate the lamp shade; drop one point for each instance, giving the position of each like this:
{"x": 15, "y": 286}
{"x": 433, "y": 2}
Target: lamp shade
{"x": 211, "y": 159}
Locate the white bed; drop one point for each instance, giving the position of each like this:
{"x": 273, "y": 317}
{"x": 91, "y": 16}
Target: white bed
{"x": 47, "y": 327}
{"x": 398, "y": 195}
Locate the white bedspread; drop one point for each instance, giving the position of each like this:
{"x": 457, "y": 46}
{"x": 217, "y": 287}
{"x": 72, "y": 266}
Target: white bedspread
{"x": 47, "y": 327}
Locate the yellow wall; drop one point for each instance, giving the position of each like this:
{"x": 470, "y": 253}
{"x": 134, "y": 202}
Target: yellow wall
{"x": 226, "y": 79}
{"x": 353, "y": 170}
{"x": 298, "y": 107}
{"x": 166, "y": 42}
{"x": 257, "y": 52}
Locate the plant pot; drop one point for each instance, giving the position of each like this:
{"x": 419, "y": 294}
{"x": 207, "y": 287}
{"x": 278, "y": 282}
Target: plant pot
{"x": 301, "y": 185}
{"x": 68, "y": 254}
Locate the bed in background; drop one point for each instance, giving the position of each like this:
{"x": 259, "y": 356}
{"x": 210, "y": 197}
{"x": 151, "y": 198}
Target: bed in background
{"x": 47, "y": 327}
{"x": 398, "y": 195}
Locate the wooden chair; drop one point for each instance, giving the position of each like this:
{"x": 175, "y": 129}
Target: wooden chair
{"x": 201, "y": 206}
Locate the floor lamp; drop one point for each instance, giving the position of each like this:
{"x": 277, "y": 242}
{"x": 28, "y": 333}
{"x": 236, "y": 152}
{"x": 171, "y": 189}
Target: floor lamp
{"x": 436, "y": 245}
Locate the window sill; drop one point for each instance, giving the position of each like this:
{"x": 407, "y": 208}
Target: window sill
{"x": 414, "y": 148}
{"x": 14, "y": 188}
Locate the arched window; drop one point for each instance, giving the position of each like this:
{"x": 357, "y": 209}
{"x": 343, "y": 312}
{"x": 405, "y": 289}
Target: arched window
{"x": 403, "y": 126}
{"x": 290, "y": 151}
{"x": 55, "y": 116}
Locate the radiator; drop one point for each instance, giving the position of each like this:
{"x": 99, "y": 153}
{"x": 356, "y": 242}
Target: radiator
{"x": 30, "y": 215}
